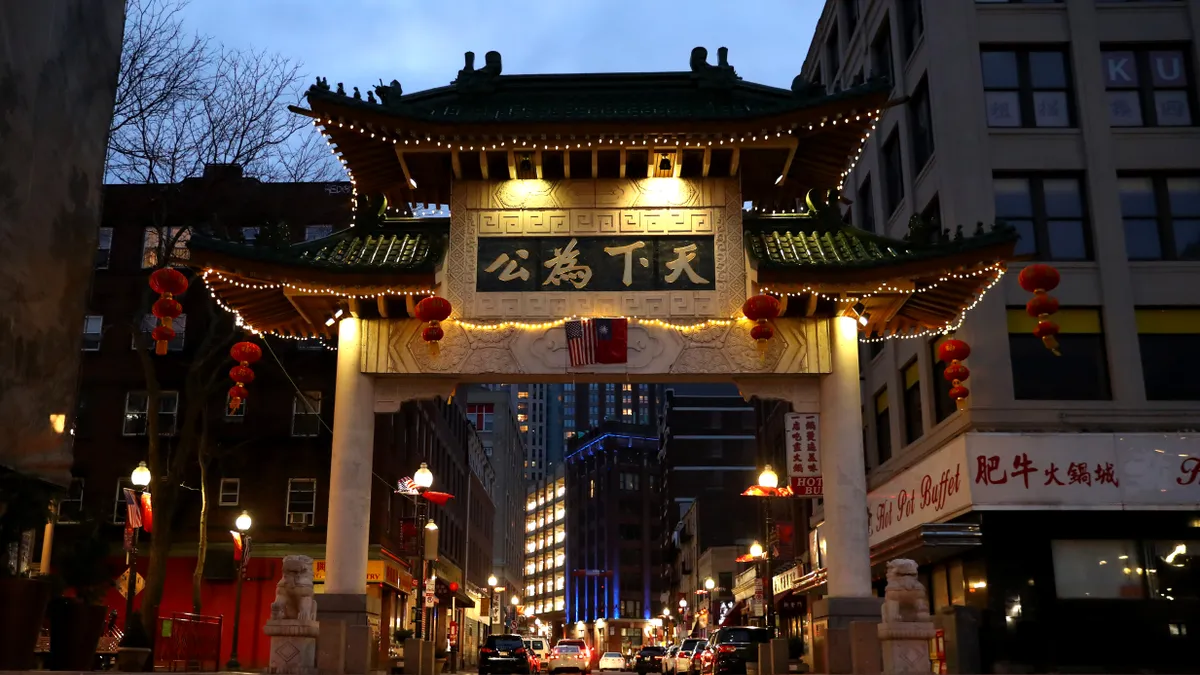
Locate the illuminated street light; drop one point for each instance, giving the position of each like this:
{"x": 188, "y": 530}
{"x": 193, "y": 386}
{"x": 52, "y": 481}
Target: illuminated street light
{"x": 709, "y": 584}
{"x": 243, "y": 522}
{"x": 756, "y": 550}
{"x": 423, "y": 477}
{"x": 140, "y": 476}
{"x": 492, "y": 581}
{"x": 768, "y": 478}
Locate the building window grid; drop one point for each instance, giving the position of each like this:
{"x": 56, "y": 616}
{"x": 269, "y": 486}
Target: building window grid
{"x": 230, "y": 492}
{"x": 301, "y": 501}
{"x": 103, "y": 248}
{"x": 156, "y": 240}
{"x": 1029, "y": 87}
{"x": 306, "y": 414}
{"x": 1148, "y": 86}
{"x": 1161, "y": 217}
{"x": 1048, "y": 212}
{"x": 93, "y": 332}
{"x": 136, "y": 419}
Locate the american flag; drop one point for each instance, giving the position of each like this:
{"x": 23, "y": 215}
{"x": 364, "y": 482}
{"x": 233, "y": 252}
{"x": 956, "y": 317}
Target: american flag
{"x": 407, "y": 486}
{"x": 133, "y": 509}
{"x": 581, "y": 342}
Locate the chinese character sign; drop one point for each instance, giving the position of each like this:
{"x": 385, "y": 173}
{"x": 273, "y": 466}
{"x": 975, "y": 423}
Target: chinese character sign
{"x": 804, "y": 453}
{"x": 533, "y": 264}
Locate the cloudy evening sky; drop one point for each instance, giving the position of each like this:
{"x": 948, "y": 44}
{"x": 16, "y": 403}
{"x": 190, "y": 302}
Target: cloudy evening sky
{"x": 421, "y": 42}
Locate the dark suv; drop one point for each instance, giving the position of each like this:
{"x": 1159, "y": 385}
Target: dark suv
{"x": 503, "y": 654}
{"x": 730, "y": 649}
{"x": 650, "y": 660}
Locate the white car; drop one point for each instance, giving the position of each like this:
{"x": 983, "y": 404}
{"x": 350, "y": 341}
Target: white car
{"x": 568, "y": 657}
{"x": 688, "y": 653}
{"x": 611, "y": 661}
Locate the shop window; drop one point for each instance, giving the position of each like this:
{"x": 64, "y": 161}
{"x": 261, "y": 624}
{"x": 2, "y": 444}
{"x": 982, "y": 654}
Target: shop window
{"x": 913, "y": 427}
{"x": 93, "y": 325}
{"x": 1048, "y": 214}
{"x": 1173, "y": 569}
{"x": 306, "y": 414}
{"x": 1169, "y": 341}
{"x": 103, "y": 248}
{"x": 866, "y": 206}
{"x": 169, "y": 241}
{"x": 1026, "y": 88}
{"x": 943, "y": 405}
{"x": 135, "y": 420}
{"x": 1148, "y": 87}
{"x": 881, "y": 53}
{"x": 920, "y": 126}
{"x": 883, "y": 427}
{"x": 1079, "y": 374}
{"x": 1097, "y": 569}
{"x": 1161, "y": 215}
{"x": 893, "y": 174}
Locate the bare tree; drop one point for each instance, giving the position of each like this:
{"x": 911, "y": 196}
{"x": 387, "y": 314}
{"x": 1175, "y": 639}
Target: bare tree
{"x": 184, "y": 101}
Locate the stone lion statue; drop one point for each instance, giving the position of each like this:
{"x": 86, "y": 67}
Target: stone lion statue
{"x": 904, "y": 598}
{"x": 294, "y": 593}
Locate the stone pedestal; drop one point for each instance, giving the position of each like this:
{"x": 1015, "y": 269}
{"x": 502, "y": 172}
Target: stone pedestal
{"x": 905, "y": 647}
{"x": 833, "y": 643}
{"x": 346, "y": 640}
{"x": 293, "y": 646}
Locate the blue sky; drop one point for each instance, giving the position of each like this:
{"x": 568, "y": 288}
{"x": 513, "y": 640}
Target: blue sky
{"x": 421, "y": 42}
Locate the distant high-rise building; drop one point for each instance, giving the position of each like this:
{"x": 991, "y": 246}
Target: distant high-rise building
{"x": 546, "y": 550}
{"x": 539, "y": 416}
{"x": 587, "y": 405}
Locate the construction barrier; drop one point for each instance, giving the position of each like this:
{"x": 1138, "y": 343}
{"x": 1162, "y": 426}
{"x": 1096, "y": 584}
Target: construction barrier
{"x": 188, "y": 642}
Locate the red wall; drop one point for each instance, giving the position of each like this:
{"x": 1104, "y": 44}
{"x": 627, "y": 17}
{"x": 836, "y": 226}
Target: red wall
{"x": 217, "y": 599}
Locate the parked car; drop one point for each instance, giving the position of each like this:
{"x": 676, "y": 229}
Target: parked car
{"x": 541, "y": 651}
{"x": 583, "y": 646}
{"x": 668, "y": 661}
{"x": 535, "y": 666}
{"x": 611, "y": 661}
{"x": 649, "y": 660}
{"x": 565, "y": 658}
{"x": 504, "y": 654}
{"x": 730, "y": 649}
{"x": 686, "y": 659}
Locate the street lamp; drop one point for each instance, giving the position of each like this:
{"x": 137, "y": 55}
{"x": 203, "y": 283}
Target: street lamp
{"x": 423, "y": 477}
{"x": 140, "y": 478}
{"x": 768, "y": 478}
{"x": 430, "y": 555}
{"x": 242, "y": 523}
{"x": 756, "y": 550}
{"x": 709, "y": 585}
{"x": 516, "y": 600}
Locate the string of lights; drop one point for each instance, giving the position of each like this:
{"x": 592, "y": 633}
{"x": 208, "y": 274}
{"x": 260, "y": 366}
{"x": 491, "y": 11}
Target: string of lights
{"x": 303, "y": 289}
{"x": 885, "y": 288}
{"x": 949, "y": 327}
{"x": 543, "y": 325}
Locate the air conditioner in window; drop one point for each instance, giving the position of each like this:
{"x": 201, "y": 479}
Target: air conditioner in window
{"x": 296, "y": 519}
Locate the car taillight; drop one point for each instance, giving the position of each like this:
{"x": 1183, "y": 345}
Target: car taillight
{"x": 725, "y": 649}
{"x": 519, "y": 650}
{"x": 487, "y": 650}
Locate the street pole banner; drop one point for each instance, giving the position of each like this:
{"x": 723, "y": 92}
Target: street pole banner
{"x": 804, "y": 453}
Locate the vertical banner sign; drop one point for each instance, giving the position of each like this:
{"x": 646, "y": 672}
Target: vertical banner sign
{"x": 804, "y": 453}
{"x": 430, "y": 592}
{"x": 757, "y": 604}
{"x": 452, "y": 633}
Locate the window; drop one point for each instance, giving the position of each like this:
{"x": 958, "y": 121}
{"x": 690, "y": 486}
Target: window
{"x": 306, "y": 414}
{"x": 866, "y": 206}
{"x": 70, "y": 506}
{"x": 883, "y": 426}
{"x": 234, "y": 415}
{"x": 881, "y": 54}
{"x": 1080, "y": 374}
{"x": 912, "y": 24}
{"x": 1096, "y": 569}
{"x": 1148, "y": 88}
{"x": 893, "y": 174}
{"x": 103, "y": 248}
{"x": 301, "y": 501}
{"x": 629, "y": 481}
{"x": 943, "y": 405}
{"x": 93, "y": 324}
{"x": 920, "y": 126}
{"x": 850, "y": 15}
{"x": 481, "y": 415}
{"x": 1161, "y": 215}
{"x": 249, "y": 234}
{"x": 1169, "y": 340}
{"x": 312, "y": 232}
{"x": 1026, "y": 88}
{"x": 1173, "y": 569}
{"x": 120, "y": 509}
{"x": 179, "y": 325}
{"x": 231, "y": 489}
{"x": 1047, "y": 213}
{"x": 832, "y": 56}
{"x": 135, "y": 421}
{"x": 158, "y": 240}
{"x": 913, "y": 426}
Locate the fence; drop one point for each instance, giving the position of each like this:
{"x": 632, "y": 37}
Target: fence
{"x": 188, "y": 642}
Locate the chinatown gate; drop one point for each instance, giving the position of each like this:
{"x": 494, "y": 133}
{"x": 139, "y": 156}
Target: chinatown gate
{"x": 666, "y": 199}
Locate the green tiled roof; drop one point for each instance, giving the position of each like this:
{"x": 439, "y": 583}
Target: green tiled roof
{"x": 409, "y": 245}
{"x": 797, "y": 242}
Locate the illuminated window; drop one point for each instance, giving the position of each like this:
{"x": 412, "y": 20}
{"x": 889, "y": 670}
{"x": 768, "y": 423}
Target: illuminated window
{"x": 522, "y": 394}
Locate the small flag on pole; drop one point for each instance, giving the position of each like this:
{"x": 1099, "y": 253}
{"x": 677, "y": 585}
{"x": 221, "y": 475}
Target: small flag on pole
{"x": 147, "y": 512}
{"x": 238, "y": 545}
{"x": 133, "y": 509}
{"x": 407, "y": 486}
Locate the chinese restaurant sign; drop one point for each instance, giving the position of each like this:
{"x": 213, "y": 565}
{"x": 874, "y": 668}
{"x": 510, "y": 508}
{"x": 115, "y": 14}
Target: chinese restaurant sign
{"x": 1044, "y": 471}
{"x": 530, "y": 264}
{"x": 804, "y": 453}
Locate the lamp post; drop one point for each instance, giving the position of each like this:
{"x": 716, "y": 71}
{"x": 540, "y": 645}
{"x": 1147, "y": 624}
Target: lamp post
{"x": 431, "y": 546}
{"x": 666, "y": 625}
{"x": 140, "y": 479}
{"x": 516, "y": 600}
{"x": 768, "y": 479}
{"x": 709, "y": 585}
{"x": 242, "y": 523}
{"x": 683, "y": 617}
{"x": 491, "y": 582}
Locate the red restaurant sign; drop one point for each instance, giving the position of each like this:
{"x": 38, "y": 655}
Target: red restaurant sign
{"x": 1044, "y": 471}
{"x": 804, "y": 453}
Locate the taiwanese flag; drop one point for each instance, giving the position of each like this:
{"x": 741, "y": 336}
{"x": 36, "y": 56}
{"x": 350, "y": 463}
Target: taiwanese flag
{"x": 612, "y": 340}
{"x": 147, "y": 512}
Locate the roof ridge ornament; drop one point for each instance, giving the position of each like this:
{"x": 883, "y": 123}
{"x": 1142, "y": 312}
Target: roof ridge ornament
{"x": 483, "y": 79}
{"x": 721, "y": 75}
{"x": 389, "y": 92}
{"x": 824, "y": 208}
{"x": 803, "y": 88}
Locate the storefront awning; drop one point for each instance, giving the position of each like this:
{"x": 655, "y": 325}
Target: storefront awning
{"x": 926, "y": 544}
{"x": 735, "y": 615}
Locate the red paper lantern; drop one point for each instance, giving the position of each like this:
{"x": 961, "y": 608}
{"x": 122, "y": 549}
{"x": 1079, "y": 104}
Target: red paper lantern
{"x": 762, "y": 332}
{"x": 162, "y": 335}
{"x": 433, "y": 308}
{"x": 237, "y": 394}
{"x": 956, "y": 372}
{"x": 953, "y": 350}
{"x": 1041, "y": 305}
{"x": 241, "y": 374}
{"x": 168, "y": 281}
{"x": 761, "y": 307}
{"x": 453, "y": 586}
{"x": 246, "y": 353}
{"x": 1047, "y": 331}
{"x": 1038, "y": 277}
{"x": 432, "y": 333}
{"x": 960, "y": 393}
